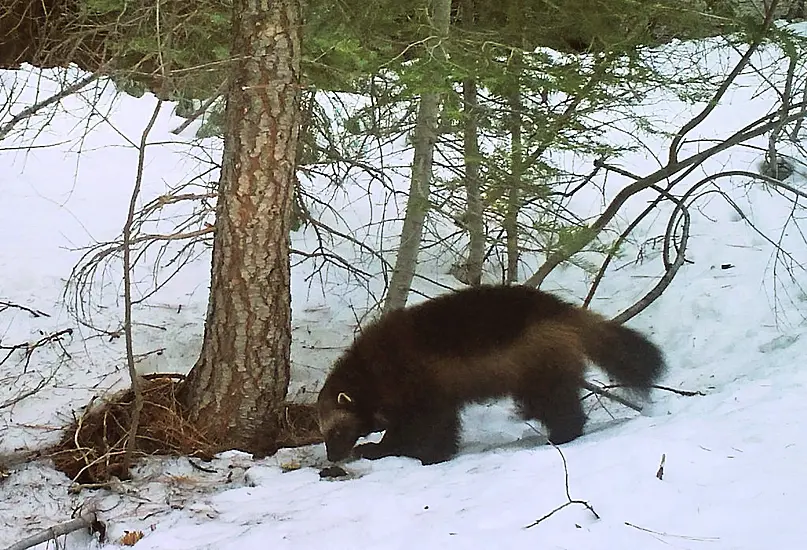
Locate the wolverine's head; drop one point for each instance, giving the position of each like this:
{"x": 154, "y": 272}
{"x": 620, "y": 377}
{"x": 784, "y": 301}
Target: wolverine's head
{"x": 341, "y": 420}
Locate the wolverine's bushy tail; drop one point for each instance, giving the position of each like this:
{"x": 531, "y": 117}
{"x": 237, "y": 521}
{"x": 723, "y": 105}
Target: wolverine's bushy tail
{"x": 623, "y": 353}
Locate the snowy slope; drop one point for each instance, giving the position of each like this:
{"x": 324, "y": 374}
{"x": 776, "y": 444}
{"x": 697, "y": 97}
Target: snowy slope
{"x": 733, "y": 476}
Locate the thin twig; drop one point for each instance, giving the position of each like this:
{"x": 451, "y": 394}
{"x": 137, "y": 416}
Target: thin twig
{"x": 44, "y": 381}
{"x": 200, "y": 467}
{"x": 55, "y": 98}
{"x": 34, "y": 312}
{"x": 127, "y": 290}
{"x": 773, "y": 139}
{"x": 670, "y": 273}
{"x": 714, "y": 101}
{"x": 28, "y": 349}
{"x": 203, "y": 109}
{"x": 646, "y": 530}
{"x": 615, "y": 247}
{"x": 599, "y": 390}
{"x": 569, "y": 500}
{"x": 754, "y": 129}
{"x": 686, "y": 393}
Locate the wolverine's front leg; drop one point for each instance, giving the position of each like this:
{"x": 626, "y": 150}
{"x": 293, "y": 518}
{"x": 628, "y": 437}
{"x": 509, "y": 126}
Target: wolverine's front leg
{"x": 428, "y": 435}
{"x": 373, "y": 451}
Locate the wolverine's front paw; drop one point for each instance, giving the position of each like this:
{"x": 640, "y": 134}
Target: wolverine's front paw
{"x": 370, "y": 451}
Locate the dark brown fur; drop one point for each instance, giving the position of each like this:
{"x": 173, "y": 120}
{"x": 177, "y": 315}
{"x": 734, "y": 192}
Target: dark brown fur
{"x": 410, "y": 372}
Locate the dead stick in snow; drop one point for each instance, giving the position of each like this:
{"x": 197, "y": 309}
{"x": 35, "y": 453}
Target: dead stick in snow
{"x": 84, "y": 520}
{"x": 569, "y": 499}
{"x": 661, "y": 533}
{"x": 660, "y": 472}
{"x": 601, "y": 391}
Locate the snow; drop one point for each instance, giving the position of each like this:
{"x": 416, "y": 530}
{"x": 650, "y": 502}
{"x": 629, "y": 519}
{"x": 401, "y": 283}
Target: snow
{"x": 733, "y": 455}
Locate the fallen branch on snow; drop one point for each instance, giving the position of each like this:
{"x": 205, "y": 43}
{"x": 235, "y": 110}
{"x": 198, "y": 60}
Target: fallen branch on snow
{"x": 593, "y": 388}
{"x": 603, "y": 390}
{"x": 86, "y": 519}
{"x": 569, "y": 500}
{"x": 662, "y": 534}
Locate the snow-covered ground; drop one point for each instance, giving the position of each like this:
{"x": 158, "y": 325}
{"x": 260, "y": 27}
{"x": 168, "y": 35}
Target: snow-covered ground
{"x": 734, "y": 456}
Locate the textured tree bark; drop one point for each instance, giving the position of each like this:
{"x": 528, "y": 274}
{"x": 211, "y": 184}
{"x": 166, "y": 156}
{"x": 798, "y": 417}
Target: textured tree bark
{"x": 470, "y": 272}
{"x": 514, "y": 99}
{"x": 239, "y": 383}
{"x": 514, "y": 190}
{"x": 417, "y": 204}
{"x": 474, "y": 221}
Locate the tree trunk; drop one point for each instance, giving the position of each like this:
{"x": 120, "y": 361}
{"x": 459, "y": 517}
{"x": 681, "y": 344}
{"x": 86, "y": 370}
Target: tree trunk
{"x": 417, "y": 204}
{"x": 239, "y": 383}
{"x": 473, "y": 218}
{"x": 514, "y": 190}
{"x": 516, "y": 69}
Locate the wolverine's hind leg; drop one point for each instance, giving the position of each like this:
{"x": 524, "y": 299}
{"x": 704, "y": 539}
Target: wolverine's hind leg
{"x": 430, "y": 435}
{"x": 550, "y": 392}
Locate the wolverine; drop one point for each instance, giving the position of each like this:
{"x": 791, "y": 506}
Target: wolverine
{"x": 410, "y": 372}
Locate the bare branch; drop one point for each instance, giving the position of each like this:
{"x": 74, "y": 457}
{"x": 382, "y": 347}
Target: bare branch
{"x": 4, "y": 305}
{"x": 670, "y": 535}
{"x": 617, "y": 244}
{"x": 685, "y": 393}
{"x": 729, "y": 80}
{"x": 55, "y": 98}
{"x": 127, "y": 289}
{"x": 671, "y": 271}
{"x": 203, "y": 108}
{"x": 44, "y": 381}
{"x": 599, "y": 390}
{"x": 569, "y": 500}
{"x": 757, "y": 128}
{"x": 787, "y": 97}
{"x": 85, "y": 520}
{"x": 30, "y": 347}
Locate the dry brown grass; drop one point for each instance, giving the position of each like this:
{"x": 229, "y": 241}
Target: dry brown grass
{"x": 93, "y": 446}
{"x": 298, "y": 426}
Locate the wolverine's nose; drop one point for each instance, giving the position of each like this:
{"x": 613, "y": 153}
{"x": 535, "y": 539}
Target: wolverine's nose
{"x": 333, "y": 455}
{"x": 337, "y": 451}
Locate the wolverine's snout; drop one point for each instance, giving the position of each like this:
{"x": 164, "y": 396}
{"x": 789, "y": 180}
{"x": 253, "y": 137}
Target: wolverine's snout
{"x": 341, "y": 430}
{"x": 338, "y": 444}
{"x": 337, "y": 453}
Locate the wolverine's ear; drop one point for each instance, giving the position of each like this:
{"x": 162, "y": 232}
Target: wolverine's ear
{"x": 344, "y": 399}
